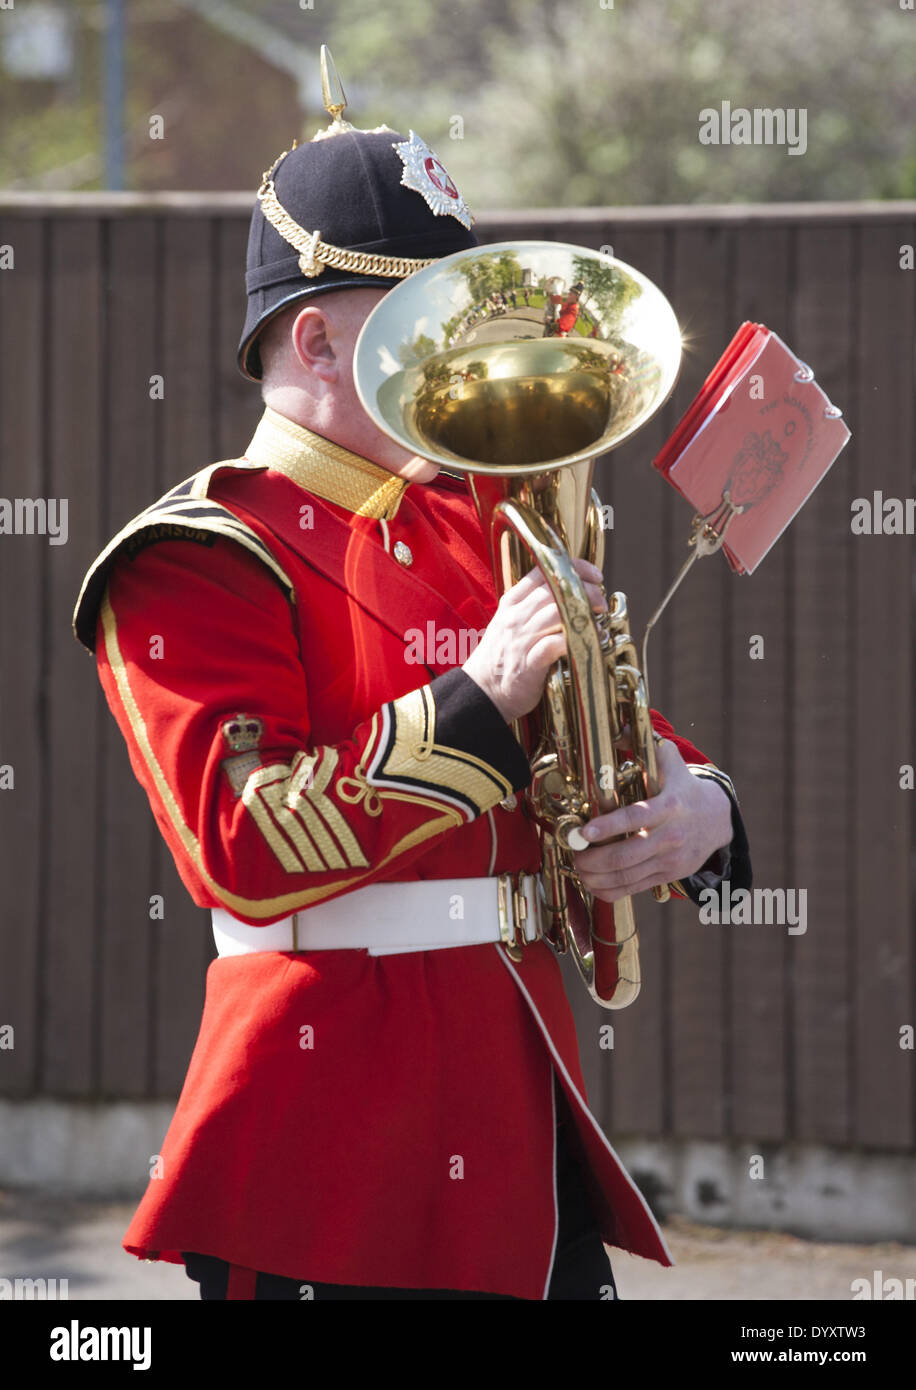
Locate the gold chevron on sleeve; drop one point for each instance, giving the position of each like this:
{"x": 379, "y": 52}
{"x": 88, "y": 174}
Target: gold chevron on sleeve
{"x": 264, "y": 796}
{"x": 291, "y": 808}
{"x": 256, "y": 909}
{"x": 308, "y": 790}
{"x": 408, "y": 758}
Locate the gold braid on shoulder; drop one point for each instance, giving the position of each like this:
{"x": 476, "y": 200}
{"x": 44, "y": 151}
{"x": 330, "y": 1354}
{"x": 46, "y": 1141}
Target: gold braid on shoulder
{"x": 316, "y": 254}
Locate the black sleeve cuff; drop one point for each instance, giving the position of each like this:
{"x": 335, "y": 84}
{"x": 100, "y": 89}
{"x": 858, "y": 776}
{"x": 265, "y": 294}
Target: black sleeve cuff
{"x": 468, "y": 720}
{"x": 733, "y": 862}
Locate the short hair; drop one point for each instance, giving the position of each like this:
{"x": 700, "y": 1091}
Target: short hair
{"x": 273, "y": 336}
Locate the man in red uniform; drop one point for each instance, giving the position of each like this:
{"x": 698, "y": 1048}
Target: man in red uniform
{"x": 381, "y": 1102}
{"x": 569, "y": 311}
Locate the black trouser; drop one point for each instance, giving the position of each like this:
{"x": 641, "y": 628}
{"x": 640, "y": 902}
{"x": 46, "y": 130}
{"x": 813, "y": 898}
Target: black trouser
{"x": 581, "y": 1269}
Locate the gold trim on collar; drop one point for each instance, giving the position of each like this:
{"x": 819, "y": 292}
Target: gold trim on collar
{"x": 324, "y": 468}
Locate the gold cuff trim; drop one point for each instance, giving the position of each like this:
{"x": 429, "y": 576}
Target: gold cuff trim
{"x": 714, "y": 774}
{"x": 409, "y": 759}
{"x": 324, "y": 468}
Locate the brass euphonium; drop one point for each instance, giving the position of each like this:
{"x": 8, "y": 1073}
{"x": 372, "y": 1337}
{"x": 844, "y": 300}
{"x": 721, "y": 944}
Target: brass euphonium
{"x": 518, "y": 364}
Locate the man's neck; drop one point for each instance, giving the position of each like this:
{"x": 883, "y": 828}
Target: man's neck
{"x": 356, "y": 432}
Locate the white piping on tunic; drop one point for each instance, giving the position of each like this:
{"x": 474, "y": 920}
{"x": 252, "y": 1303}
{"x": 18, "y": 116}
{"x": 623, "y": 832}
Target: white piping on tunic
{"x": 386, "y": 539}
{"x": 556, "y": 1201}
{"x": 584, "y": 1104}
{"x": 492, "y": 844}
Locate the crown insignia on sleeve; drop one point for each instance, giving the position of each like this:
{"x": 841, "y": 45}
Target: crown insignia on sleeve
{"x": 242, "y": 732}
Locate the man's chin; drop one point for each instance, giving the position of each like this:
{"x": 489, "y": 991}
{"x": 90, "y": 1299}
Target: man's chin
{"x": 417, "y": 470}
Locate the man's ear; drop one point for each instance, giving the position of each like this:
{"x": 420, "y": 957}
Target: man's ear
{"x": 311, "y": 339}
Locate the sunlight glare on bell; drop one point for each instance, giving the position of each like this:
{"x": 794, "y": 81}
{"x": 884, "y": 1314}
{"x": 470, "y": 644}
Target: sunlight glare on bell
{"x": 516, "y": 356}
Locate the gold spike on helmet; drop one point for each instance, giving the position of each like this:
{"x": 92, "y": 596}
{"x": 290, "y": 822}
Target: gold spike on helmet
{"x": 349, "y": 208}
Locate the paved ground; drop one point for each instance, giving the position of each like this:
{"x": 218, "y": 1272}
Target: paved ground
{"x": 42, "y": 1237}
{"x": 757, "y": 1265}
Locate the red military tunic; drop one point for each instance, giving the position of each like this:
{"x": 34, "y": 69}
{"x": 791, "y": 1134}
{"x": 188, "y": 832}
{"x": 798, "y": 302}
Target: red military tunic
{"x": 346, "y": 1118}
{"x": 569, "y": 313}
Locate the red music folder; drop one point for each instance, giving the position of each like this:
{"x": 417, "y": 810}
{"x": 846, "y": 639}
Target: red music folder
{"x": 760, "y": 435}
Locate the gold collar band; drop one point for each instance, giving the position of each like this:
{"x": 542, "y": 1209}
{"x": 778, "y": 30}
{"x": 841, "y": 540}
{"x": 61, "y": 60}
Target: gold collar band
{"x": 324, "y": 468}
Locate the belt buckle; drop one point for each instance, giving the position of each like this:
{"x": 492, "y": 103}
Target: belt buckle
{"x": 512, "y": 906}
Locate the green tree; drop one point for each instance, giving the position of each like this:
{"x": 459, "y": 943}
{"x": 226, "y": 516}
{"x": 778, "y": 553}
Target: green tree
{"x": 416, "y": 351}
{"x": 607, "y": 293}
{"x": 529, "y": 103}
{"x": 486, "y": 274}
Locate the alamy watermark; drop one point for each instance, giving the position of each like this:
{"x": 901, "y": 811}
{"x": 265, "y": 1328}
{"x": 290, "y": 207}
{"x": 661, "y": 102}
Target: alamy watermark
{"x": 883, "y": 516}
{"x": 35, "y": 516}
{"x": 80, "y": 1342}
{"x": 761, "y": 125}
{"x": 782, "y": 907}
{"x": 22, "y": 1287}
{"x": 883, "y": 1288}
{"x": 440, "y": 645}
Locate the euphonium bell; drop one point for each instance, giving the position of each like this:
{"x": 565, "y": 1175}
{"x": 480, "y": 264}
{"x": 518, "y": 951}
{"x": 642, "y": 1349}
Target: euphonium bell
{"x": 518, "y": 364}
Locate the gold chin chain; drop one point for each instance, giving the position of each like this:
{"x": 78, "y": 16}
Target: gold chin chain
{"x": 316, "y": 254}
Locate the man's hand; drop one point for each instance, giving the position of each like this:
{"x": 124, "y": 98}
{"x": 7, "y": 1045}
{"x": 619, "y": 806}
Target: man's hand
{"x": 675, "y": 833}
{"x": 524, "y": 639}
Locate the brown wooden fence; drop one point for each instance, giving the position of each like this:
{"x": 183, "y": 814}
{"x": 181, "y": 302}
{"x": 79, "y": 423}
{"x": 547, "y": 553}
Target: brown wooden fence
{"x": 740, "y": 1031}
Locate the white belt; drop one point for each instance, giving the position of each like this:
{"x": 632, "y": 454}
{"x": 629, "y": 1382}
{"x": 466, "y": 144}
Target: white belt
{"x": 386, "y": 918}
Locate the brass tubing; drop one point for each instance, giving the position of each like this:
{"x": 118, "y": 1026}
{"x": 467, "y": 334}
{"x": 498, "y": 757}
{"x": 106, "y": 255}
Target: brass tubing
{"x": 594, "y": 706}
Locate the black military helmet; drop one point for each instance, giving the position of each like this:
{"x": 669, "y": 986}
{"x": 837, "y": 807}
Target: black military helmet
{"x": 349, "y": 208}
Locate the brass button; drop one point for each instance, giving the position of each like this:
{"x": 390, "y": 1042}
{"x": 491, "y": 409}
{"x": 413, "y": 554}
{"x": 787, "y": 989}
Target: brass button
{"x": 509, "y": 802}
{"x": 402, "y": 553}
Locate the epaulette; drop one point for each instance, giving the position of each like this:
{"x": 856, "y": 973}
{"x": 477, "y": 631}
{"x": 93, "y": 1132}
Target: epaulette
{"x": 185, "y": 512}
